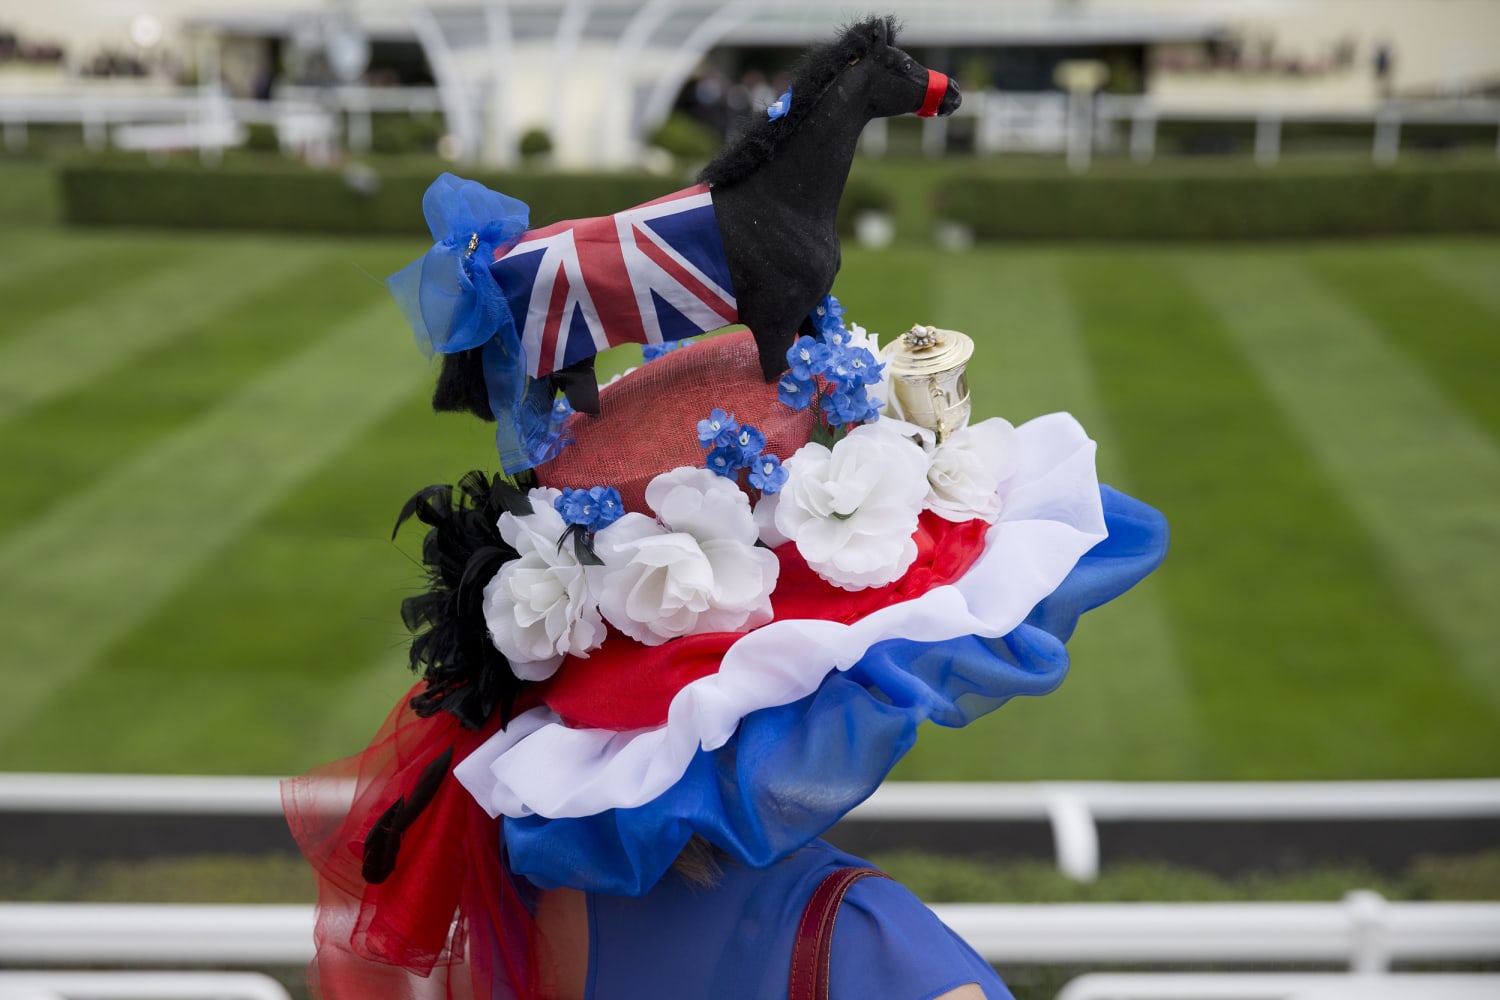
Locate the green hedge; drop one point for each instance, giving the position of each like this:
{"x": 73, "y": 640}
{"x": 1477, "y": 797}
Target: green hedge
{"x": 273, "y": 196}
{"x": 685, "y": 138}
{"x": 1234, "y": 203}
{"x": 1236, "y": 137}
{"x": 28, "y": 194}
{"x": 1231, "y": 201}
{"x": 405, "y": 134}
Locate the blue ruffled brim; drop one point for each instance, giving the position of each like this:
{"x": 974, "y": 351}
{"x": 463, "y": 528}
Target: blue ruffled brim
{"x": 791, "y": 772}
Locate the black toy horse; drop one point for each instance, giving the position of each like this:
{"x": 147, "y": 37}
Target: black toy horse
{"x": 775, "y": 195}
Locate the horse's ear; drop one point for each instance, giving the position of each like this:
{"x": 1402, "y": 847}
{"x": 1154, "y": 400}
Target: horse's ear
{"x": 882, "y": 31}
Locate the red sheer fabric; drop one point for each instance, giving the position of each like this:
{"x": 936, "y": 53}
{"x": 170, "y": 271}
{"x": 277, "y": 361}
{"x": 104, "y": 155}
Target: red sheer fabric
{"x": 624, "y": 685}
{"x": 448, "y": 921}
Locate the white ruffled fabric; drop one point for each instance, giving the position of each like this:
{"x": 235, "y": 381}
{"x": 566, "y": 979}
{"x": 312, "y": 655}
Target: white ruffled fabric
{"x": 1051, "y": 516}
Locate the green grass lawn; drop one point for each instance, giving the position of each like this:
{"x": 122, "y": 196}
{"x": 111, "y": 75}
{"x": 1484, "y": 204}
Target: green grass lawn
{"x": 205, "y": 440}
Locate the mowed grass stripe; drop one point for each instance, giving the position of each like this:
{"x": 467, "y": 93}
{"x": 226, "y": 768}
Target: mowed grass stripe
{"x": 359, "y": 704}
{"x": 1439, "y": 326}
{"x": 1471, "y": 268}
{"x": 104, "y": 558}
{"x": 87, "y": 341}
{"x": 1420, "y": 476}
{"x": 1125, "y": 686}
{"x": 266, "y": 639}
{"x": 86, "y": 273}
{"x": 1125, "y": 652}
{"x": 1304, "y": 660}
{"x": 77, "y": 265}
{"x": 63, "y": 444}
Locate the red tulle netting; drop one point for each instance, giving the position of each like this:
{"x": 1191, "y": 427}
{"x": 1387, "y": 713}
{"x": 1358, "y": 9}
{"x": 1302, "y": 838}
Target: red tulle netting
{"x": 648, "y": 420}
{"x": 448, "y": 921}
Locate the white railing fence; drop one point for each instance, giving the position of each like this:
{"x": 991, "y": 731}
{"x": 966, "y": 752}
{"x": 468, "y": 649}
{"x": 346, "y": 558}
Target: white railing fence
{"x": 1281, "y": 986}
{"x": 1364, "y": 932}
{"x": 54, "y": 985}
{"x": 310, "y": 120}
{"x": 155, "y": 934}
{"x": 1073, "y": 808}
{"x": 1079, "y": 126}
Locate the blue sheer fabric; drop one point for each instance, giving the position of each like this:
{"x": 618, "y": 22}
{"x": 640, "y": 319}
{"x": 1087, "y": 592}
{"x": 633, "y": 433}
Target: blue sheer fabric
{"x": 790, "y": 772}
{"x": 448, "y": 295}
{"x": 734, "y": 941}
{"x": 453, "y": 303}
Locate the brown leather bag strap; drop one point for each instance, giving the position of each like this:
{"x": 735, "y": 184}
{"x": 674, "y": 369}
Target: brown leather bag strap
{"x": 813, "y": 947}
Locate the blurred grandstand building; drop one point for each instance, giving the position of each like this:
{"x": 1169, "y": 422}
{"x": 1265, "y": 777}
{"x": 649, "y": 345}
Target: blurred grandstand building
{"x": 597, "y": 78}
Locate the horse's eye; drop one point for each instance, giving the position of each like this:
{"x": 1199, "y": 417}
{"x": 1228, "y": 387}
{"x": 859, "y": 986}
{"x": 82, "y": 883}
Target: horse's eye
{"x": 854, "y": 61}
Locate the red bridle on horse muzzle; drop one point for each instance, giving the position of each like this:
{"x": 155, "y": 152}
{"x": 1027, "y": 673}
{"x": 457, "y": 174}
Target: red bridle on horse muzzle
{"x": 937, "y": 89}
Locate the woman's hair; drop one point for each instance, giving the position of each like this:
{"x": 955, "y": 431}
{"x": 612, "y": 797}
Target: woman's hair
{"x": 700, "y": 863}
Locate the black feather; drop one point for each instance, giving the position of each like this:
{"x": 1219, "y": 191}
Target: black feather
{"x": 583, "y": 550}
{"x": 508, "y": 498}
{"x": 466, "y": 675}
{"x": 383, "y": 843}
{"x": 426, "y": 787}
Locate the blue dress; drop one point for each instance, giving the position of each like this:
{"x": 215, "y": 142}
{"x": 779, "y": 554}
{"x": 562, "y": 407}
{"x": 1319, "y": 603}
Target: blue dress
{"x": 734, "y": 941}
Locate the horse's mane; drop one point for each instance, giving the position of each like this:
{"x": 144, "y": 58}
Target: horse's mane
{"x": 813, "y": 74}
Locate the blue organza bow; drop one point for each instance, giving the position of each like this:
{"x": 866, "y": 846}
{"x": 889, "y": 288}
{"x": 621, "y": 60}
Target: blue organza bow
{"x": 453, "y": 303}
{"x": 448, "y": 295}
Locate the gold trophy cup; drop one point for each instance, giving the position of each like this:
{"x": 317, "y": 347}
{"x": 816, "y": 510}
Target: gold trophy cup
{"x": 928, "y": 385}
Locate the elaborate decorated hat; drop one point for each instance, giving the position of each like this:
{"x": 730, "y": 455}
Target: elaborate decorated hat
{"x": 742, "y": 642}
{"x": 718, "y": 607}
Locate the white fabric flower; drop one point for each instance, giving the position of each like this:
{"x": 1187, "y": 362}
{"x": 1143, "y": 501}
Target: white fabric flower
{"x": 696, "y": 569}
{"x": 852, "y": 510}
{"x": 765, "y": 521}
{"x": 967, "y": 470}
{"x": 880, "y": 391}
{"x": 860, "y": 337}
{"x": 923, "y": 437}
{"x": 541, "y": 606}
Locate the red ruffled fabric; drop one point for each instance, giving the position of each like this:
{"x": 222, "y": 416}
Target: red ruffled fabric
{"x": 623, "y": 685}
{"x": 448, "y": 921}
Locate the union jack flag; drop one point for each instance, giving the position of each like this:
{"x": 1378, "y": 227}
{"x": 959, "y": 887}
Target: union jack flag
{"x": 649, "y": 274}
